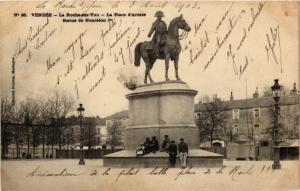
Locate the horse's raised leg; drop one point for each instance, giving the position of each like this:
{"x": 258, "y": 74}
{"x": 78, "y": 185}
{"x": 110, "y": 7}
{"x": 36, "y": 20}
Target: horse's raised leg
{"x": 146, "y": 60}
{"x": 167, "y": 58}
{"x": 176, "y": 67}
{"x": 148, "y": 68}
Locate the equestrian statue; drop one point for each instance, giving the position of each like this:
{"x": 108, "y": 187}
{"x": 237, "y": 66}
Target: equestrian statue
{"x": 164, "y": 45}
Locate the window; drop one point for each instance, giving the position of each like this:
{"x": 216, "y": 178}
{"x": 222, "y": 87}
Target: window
{"x": 256, "y": 112}
{"x": 236, "y": 114}
{"x": 108, "y": 123}
{"x": 236, "y": 129}
{"x": 197, "y": 115}
{"x": 264, "y": 144}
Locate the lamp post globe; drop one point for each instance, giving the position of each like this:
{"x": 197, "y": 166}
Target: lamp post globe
{"x": 80, "y": 110}
{"x": 276, "y": 90}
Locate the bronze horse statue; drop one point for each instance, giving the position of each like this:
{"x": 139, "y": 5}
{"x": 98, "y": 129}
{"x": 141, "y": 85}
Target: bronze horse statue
{"x": 170, "y": 50}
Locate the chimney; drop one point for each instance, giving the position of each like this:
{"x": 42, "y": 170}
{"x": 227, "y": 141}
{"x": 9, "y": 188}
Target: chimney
{"x": 294, "y": 90}
{"x": 215, "y": 98}
{"x": 256, "y": 95}
{"x": 231, "y": 96}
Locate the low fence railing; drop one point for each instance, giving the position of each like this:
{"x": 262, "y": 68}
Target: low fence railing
{"x": 89, "y": 154}
{"x": 49, "y": 153}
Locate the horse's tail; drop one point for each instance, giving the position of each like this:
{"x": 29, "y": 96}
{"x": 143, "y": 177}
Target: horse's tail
{"x": 137, "y": 54}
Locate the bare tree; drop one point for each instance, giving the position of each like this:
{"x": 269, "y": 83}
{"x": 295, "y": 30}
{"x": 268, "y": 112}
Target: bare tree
{"x": 31, "y": 121}
{"x": 114, "y": 134}
{"x": 69, "y": 135}
{"x": 19, "y": 130}
{"x": 287, "y": 124}
{"x": 44, "y": 118}
{"x": 7, "y": 116}
{"x": 52, "y": 134}
{"x": 291, "y": 125}
{"x": 90, "y": 133}
{"x": 61, "y": 104}
{"x": 7, "y": 110}
{"x": 211, "y": 120}
{"x": 29, "y": 109}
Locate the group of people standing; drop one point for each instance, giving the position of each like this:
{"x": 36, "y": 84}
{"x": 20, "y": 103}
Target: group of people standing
{"x": 173, "y": 150}
{"x": 167, "y": 146}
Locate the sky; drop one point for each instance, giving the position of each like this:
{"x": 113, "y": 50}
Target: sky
{"x": 261, "y": 45}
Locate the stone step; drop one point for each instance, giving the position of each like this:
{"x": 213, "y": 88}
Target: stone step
{"x": 128, "y": 159}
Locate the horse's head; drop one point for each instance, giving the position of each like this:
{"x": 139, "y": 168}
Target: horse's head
{"x": 178, "y": 23}
{"x": 182, "y": 24}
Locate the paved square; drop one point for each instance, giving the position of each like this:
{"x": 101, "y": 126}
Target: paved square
{"x": 58, "y": 175}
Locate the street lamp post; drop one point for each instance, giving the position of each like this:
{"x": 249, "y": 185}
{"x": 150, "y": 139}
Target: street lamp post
{"x": 80, "y": 110}
{"x": 276, "y": 89}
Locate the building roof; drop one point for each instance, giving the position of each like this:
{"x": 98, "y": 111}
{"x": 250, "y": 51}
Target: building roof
{"x": 72, "y": 120}
{"x": 253, "y": 102}
{"x": 100, "y": 121}
{"x": 118, "y": 115}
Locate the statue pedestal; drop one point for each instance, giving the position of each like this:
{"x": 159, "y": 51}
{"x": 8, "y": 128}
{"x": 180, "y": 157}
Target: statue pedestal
{"x": 159, "y": 109}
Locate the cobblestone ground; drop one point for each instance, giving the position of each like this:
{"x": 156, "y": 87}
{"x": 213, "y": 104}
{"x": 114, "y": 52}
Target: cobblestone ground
{"x": 58, "y": 175}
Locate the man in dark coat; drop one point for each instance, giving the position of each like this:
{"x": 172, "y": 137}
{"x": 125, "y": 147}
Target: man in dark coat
{"x": 172, "y": 154}
{"x": 165, "y": 144}
{"x": 146, "y": 144}
{"x": 160, "y": 29}
{"x": 183, "y": 152}
{"x": 154, "y": 146}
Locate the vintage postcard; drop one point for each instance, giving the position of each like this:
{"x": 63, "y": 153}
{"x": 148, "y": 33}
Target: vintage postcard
{"x": 149, "y": 95}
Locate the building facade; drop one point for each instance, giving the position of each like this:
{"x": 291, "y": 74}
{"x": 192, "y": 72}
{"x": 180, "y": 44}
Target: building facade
{"x": 252, "y": 119}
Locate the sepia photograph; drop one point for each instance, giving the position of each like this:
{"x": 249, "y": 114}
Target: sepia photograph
{"x": 149, "y": 95}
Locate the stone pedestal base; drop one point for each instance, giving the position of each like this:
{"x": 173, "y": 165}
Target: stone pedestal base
{"x": 159, "y": 109}
{"x": 128, "y": 159}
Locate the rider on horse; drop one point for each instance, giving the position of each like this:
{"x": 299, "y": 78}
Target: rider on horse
{"x": 160, "y": 28}
{"x": 168, "y": 40}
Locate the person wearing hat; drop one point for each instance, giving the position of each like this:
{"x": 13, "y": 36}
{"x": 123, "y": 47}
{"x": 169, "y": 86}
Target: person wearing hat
{"x": 165, "y": 144}
{"x": 183, "y": 152}
{"x": 154, "y": 145}
{"x": 160, "y": 29}
{"x": 172, "y": 149}
{"x": 146, "y": 145}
